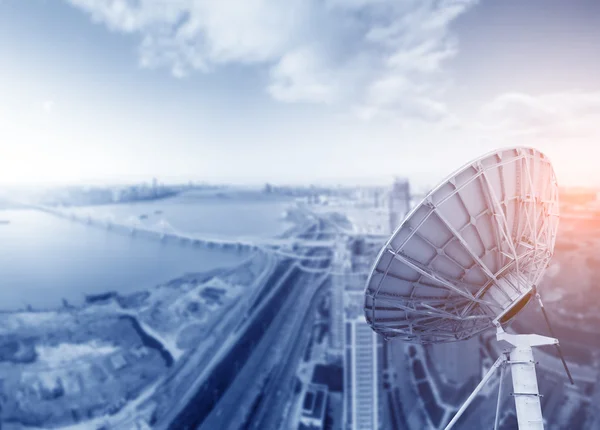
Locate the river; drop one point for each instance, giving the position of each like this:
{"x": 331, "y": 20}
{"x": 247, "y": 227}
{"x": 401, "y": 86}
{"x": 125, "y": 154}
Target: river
{"x": 44, "y": 258}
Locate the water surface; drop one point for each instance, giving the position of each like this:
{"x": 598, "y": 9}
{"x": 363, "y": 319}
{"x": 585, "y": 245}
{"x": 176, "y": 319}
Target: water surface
{"x": 44, "y": 259}
{"x": 212, "y": 216}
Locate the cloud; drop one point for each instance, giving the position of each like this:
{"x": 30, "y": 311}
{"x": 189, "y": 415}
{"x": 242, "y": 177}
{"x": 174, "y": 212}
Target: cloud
{"x": 301, "y": 76}
{"x": 570, "y": 115}
{"x": 379, "y": 56}
{"x": 48, "y": 106}
{"x": 563, "y": 125}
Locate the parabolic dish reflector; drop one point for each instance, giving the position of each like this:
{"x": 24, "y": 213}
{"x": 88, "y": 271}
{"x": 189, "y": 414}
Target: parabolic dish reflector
{"x": 471, "y": 254}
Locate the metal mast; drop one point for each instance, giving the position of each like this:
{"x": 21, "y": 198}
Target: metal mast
{"x": 524, "y": 378}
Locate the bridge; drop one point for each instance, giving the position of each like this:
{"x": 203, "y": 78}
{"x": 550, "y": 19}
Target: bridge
{"x": 163, "y": 230}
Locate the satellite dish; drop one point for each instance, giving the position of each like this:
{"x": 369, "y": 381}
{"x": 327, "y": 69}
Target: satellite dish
{"x": 469, "y": 258}
{"x": 471, "y": 254}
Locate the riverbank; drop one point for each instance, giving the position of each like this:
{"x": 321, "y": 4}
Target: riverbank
{"x": 69, "y": 365}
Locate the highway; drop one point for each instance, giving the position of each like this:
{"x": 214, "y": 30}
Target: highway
{"x": 270, "y": 411}
{"x": 272, "y": 401}
{"x": 212, "y": 379}
{"x": 205, "y": 376}
{"x": 258, "y": 395}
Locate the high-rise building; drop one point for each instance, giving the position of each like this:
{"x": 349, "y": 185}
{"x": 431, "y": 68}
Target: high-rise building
{"x": 361, "y": 400}
{"x": 362, "y": 379}
{"x": 361, "y": 346}
{"x": 314, "y": 407}
{"x": 154, "y": 187}
{"x": 341, "y": 269}
{"x": 337, "y": 313}
{"x": 400, "y": 203}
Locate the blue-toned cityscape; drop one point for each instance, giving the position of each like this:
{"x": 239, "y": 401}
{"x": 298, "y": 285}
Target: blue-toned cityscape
{"x": 223, "y": 214}
{"x": 261, "y": 328}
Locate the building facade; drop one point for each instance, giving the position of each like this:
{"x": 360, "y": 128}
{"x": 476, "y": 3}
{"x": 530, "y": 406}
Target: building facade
{"x": 400, "y": 203}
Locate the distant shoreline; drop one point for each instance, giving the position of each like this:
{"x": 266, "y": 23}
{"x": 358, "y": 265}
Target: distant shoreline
{"x": 100, "y": 299}
{"x": 84, "y": 300}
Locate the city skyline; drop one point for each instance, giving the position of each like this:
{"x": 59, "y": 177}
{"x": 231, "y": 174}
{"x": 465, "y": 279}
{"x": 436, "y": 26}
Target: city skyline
{"x": 307, "y": 93}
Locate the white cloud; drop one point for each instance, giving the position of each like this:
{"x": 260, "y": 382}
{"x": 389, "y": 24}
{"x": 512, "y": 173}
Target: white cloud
{"x": 380, "y": 56}
{"x": 300, "y": 76}
{"x": 564, "y": 125}
{"x": 48, "y": 106}
{"x": 559, "y": 116}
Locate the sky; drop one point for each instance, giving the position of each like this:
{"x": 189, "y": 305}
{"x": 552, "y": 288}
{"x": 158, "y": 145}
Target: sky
{"x": 294, "y": 91}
